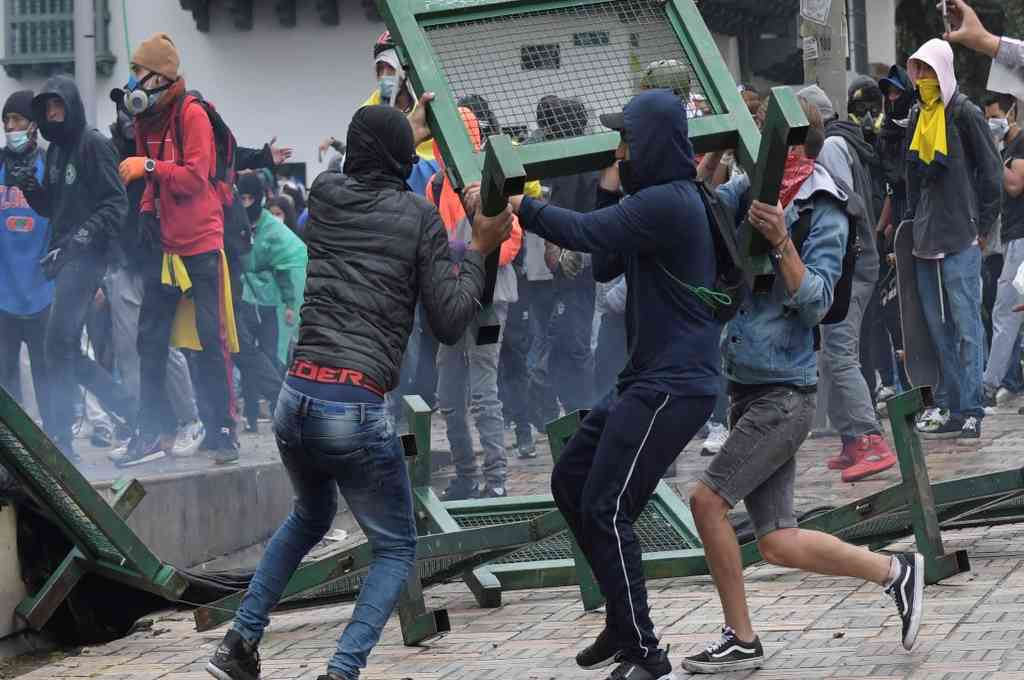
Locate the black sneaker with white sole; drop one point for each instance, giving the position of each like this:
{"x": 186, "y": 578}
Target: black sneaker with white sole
{"x": 600, "y": 654}
{"x": 908, "y": 592}
{"x": 655, "y": 667}
{"x": 729, "y": 653}
{"x": 142, "y": 449}
{"x": 235, "y": 659}
{"x": 971, "y": 428}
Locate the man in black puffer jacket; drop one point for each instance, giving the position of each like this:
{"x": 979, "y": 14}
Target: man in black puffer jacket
{"x": 374, "y": 249}
{"x": 85, "y": 201}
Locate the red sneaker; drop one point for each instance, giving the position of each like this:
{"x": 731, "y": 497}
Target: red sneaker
{"x": 878, "y": 457}
{"x": 852, "y": 452}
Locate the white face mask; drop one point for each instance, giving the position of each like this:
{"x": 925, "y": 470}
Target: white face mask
{"x": 388, "y": 89}
{"x": 998, "y": 127}
{"x": 17, "y": 141}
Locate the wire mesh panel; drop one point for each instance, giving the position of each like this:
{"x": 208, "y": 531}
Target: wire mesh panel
{"x": 560, "y": 68}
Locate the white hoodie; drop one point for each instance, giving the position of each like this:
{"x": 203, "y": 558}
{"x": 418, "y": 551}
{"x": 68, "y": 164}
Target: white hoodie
{"x": 939, "y": 55}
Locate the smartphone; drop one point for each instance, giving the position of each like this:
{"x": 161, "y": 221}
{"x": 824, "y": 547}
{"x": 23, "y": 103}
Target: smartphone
{"x": 945, "y": 16}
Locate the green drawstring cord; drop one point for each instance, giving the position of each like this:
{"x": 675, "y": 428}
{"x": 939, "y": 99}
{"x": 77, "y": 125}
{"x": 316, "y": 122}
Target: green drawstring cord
{"x": 712, "y": 298}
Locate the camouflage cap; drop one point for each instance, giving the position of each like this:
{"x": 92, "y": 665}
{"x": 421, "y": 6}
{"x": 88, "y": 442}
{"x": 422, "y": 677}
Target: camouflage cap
{"x": 669, "y": 74}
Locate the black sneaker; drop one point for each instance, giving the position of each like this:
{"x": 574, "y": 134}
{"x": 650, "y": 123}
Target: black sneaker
{"x": 142, "y": 449}
{"x": 655, "y": 667}
{"x": 460, "y": 489}
{"x": 729, "y": 653}
{"x": 525, "y": 445}
{"x": 908, "y": 592}
{"x": 971, "y": 428}
{"x": 951, "y": 429}
{"x": 493, "y": 491}
{"x": 601, "y": 653}
{"x": 226, "y": 452}
{"x": 235, "y": 659}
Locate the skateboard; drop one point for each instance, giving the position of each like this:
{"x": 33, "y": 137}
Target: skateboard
{"x": 919, "y": 356}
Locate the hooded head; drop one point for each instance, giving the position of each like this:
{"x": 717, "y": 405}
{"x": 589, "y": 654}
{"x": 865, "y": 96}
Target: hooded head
{"x": 380, "y": 147}
{"x": 864, "y": 99}
{"x": 938, "y": 55}
{"x": 654, "y": 127}
{"x": 489, "y": 124}
{"x": 253, "y": 194}
{"x": 473, "y": 129}
{"x": 54, "y": 130}
{"x": 898, "y": 92}
{"x": 122, "y": 133}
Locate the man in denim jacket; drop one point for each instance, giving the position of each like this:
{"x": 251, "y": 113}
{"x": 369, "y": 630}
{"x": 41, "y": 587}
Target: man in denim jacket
{"x": 768, "y": 358}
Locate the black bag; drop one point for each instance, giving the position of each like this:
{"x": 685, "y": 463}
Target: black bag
{"x": 731, "y": 279}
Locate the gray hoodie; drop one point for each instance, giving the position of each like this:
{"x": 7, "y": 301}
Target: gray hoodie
{"x": 953, "y": 206}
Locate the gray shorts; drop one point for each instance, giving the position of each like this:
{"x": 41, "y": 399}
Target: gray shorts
{"x": 757, "y": 464}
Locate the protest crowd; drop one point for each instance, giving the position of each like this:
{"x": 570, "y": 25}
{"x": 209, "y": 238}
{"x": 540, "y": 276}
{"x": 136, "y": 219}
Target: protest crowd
{"x": 172, "y": 288}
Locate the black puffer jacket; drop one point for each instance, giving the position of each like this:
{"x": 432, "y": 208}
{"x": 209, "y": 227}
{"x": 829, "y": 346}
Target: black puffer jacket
{"x": 374, "y": 249}
{"x": 81, "y": 191}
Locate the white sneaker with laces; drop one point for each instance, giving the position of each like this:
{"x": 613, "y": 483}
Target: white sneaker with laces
{"x": 932, "y": 419}
{"x": 189, "y": 437}
{"x": 717, "y": 434}
{"x": 1004, "y": 396}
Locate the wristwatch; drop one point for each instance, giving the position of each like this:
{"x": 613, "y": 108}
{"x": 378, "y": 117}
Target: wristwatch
{"x": 778, "y": 252}
{"x": 150, "y": 165}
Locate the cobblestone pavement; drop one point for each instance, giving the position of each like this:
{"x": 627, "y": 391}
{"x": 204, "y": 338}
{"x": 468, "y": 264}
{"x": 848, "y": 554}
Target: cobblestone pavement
{"x": 812, "y": 626}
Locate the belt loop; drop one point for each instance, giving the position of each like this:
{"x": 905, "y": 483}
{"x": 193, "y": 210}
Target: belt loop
{"x": 362, "y": 414}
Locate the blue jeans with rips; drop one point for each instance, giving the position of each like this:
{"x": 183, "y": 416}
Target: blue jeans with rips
{"x": 950, "y": 291}
{"x": 326, "y": 447}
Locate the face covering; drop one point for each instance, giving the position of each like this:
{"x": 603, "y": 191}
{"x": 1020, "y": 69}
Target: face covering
{"x": 627, "y": 177}
{"x": 929, "y": 142}
{"x": 998, "y": 127}
{"x": 388, "y": 89}
{"x": 137, "y": 99}
{"x": 255, "y": 210}
{"x": 17, "y": 141}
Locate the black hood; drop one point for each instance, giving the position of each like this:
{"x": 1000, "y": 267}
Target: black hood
{"x": 122, "y": 133}
{"x": 562, "y": 118}
{"x": 658, "y": 135}
{"x": 854, "y": 136}
{"x": 380, "y": 148}
{"x": 74, "y": 110}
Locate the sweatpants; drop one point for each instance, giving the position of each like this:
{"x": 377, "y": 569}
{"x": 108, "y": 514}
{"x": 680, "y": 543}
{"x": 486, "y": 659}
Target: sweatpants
{"x": 213, "y": 377}
{"x": 602, "y": 482}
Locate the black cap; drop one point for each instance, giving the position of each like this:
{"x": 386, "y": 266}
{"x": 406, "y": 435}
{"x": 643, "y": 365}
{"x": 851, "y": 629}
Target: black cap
{"x": 20, "y": 102}
{"x": 250, "y": 183}
{"x": 614, "y": 121}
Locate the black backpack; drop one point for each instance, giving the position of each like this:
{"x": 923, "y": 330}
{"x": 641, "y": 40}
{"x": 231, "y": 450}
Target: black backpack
{"x": 238, "y": 232}
{"x": 856, "y": 213}
{"x": 730, "y": 280}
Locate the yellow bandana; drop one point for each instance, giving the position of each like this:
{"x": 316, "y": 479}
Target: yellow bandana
{"x": 184, "y": 333}
{"x": 930, "y": 135}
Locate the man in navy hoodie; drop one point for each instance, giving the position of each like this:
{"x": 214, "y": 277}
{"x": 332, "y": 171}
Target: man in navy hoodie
{"x": 659, "y": 237}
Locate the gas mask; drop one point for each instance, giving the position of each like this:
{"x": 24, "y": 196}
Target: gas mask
{"x": 18, "y": 141}
{"x": 137, "y": 100}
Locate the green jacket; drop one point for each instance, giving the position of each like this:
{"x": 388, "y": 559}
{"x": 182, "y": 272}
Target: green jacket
{"x": 275, "y": 269}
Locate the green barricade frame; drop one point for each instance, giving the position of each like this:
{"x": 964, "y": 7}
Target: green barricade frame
{"x": 103, "y": 543}
{"x": 509, "y": 52}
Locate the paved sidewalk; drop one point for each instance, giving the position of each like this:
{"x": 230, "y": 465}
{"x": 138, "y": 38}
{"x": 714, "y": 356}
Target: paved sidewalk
{"x": 812, "y": 626}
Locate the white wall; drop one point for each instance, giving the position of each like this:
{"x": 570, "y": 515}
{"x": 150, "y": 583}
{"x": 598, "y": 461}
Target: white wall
{"x": 881, "y": 19}
{"x": 729, "y": 46}
{"x": 301, "y": 84}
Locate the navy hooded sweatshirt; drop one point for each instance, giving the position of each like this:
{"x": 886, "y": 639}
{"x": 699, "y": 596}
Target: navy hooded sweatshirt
{"x": 660, "y": 238}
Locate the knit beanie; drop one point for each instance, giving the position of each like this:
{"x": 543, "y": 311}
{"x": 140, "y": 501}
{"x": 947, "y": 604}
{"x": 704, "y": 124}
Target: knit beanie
{"x": 20, "y": 102}
{"x": 158, "y": 54}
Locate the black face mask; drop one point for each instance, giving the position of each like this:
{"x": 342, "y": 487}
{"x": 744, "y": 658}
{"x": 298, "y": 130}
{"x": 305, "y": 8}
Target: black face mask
{"x": 254, "y": 211}
{"x": 627, "y": 177}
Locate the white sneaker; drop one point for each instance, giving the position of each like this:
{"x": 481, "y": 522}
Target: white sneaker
{"x": 885, "y": 392}
{"x": 189, "y": 437}
{"x": 932, "y": 419}
{"x": 717, "y": 434}
{"x": 1004, "y": 396}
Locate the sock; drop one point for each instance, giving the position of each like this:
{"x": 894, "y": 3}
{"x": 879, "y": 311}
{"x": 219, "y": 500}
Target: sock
{"x": 895, "y": 569}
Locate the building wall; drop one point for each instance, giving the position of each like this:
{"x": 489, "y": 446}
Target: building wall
{"x": 881, "y": 20}
{"x": 301, "y": 84}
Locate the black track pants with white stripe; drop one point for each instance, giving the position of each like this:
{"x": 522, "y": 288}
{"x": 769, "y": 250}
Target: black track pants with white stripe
{"x": 602, "y": 482}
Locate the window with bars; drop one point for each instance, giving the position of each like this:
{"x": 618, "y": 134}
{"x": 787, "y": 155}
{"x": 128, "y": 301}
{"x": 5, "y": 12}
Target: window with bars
{"x": 39, "y": 37}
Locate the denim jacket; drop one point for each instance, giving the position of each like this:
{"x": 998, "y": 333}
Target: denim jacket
{"x": 771, "y": 340}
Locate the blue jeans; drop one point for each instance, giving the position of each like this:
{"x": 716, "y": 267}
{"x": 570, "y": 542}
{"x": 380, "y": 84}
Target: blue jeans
{"x": 954, "y": 321}
{"x": 327, "y": 446}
